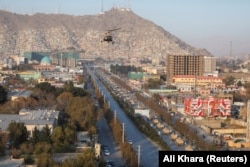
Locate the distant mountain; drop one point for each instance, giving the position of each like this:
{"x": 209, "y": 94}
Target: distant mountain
{"x": 137, "y": 37}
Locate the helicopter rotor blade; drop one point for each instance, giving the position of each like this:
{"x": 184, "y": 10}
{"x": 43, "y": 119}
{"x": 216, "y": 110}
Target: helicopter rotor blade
{"x": 113, "y": 29}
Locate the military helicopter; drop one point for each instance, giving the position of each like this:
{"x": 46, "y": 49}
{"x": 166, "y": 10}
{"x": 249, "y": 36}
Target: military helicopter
{"x": 108, "y": 36}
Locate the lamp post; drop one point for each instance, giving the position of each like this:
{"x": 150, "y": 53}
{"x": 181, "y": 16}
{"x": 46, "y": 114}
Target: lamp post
{"x": 115, "y": 116}
{"x": 139, "y": 155}
{"x": 123, "y": 133}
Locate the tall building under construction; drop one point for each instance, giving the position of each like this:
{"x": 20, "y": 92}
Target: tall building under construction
{"x": 184, "y": 65}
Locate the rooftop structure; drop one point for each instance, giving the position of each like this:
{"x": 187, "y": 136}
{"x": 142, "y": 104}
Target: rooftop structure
{"x": 35, "y": 56}
{"x": 193, "y": 80}
{"x": 28, "y": 75}
{"x": 31, "y": 118}
{"x": 209, "y": 64}
{"x": 65, "y": 59}
{"x": 22, "y": 93}
{"x": 46, "y": 61}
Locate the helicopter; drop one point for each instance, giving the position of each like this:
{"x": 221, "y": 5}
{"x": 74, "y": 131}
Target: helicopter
{"x": 108, "y": 36}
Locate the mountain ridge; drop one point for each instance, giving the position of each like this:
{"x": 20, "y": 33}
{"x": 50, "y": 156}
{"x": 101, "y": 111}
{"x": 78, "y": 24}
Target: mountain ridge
{"x": 137, "y": 37}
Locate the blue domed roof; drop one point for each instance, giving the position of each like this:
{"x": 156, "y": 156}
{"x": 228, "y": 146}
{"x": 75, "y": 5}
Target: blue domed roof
{"x": 45, "y": 61}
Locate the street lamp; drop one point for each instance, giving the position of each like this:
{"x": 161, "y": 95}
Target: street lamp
{"x": 139, "y": 155}
{"x": 115, "y": 116}
{"x": 123, "y": 133}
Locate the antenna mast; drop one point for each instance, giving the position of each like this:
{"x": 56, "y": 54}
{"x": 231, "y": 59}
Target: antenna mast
{"x": 102, "y": 6}
{"x": 230, "y": 49}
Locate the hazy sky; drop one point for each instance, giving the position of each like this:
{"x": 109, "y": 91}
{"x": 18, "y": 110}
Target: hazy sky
{"x": 209, "y": 24}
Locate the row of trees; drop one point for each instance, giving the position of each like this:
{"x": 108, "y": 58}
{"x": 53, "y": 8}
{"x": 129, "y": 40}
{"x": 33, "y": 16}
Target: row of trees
{"x": 178, "y": 125}
{"x": 115, "y": 126}
{"x": 152, "y": 103}
{"x": 42, "y": 144}
{"x": 44, "y": 95}
{"x": 123, "y": 70}
{"x": 141, "y": 124}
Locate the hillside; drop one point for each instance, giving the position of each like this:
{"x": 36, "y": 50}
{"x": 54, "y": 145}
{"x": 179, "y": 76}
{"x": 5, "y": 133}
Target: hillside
{"x": 137, "y": 37}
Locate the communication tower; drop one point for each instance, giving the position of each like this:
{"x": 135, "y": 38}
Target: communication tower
{"x": 102, "y": 7}
{"x": 230, "y": 54}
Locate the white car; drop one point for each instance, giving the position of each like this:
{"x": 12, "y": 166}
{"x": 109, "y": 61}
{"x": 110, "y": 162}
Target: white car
{"x": 106, "y": 152}
{"x": 130, "y": 142}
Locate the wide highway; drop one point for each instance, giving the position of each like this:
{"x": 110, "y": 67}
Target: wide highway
{"x": 147, "y": 152}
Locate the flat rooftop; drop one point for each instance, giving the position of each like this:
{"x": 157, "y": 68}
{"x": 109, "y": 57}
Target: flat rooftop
{"x": 29, "y": 117}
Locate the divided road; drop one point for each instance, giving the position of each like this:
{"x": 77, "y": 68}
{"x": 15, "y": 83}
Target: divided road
{"x": 146, "y": 150}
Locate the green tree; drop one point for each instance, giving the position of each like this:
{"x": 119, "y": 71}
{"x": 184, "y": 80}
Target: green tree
{"x": 42, "y": 147}
{"x": 69, "y": 87}
{"x": 27, "y": 148}
{"x": 229, "y": 80}
{"x": 62, "y": 138}
{"x": 3, "y": 95}
{"x": 57, "y": 136}
{"x": 69, "y": 133}
{"x": 62, "y": 100}
{"x": 18, "y": 133}
{"x": 46, "y": 134}
{"x": 46, "y": 87}
{"x": 43, "y": 152}
{"x": 81, "y": 110}
{"x": 35, "y": 136}
{"x": 239, "y": 83}
{"x": 154, "y": 83}
{"x": 85, "y": 159}
{"x": 2, "y": 145}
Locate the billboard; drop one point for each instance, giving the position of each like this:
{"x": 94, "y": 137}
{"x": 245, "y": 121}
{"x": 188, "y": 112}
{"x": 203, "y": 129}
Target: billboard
{"x": 207, "y": 107}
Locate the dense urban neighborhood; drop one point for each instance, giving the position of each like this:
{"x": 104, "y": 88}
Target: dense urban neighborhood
{"x": 82, "y": 103}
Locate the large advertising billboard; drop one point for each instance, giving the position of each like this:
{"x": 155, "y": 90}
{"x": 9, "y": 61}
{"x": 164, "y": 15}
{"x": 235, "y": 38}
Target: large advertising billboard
{"x": 207, "y": 107}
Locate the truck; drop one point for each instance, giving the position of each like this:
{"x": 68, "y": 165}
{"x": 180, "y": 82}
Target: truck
{"x": 188, "y": 148}
{"x": 155, "y": 121}
{"x": 179, "y": 141}
{"x": 165, "y": 131}
{"x": 159, "y": 125}
{"x": 173, "y": 136}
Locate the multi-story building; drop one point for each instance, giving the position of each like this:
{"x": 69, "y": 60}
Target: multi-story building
{"x": 45, "y": 65}
{"x": 184, "y": 65}
{"x": 198, "y": 81}
{"x": 65, "y": 59}
{"x": 209, "y": 65}
{"x": 142, "y": 76}
{"x": 26, "y": 75}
